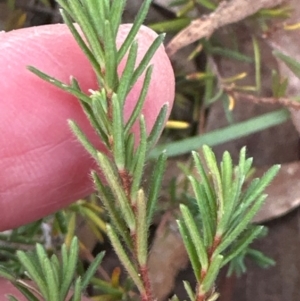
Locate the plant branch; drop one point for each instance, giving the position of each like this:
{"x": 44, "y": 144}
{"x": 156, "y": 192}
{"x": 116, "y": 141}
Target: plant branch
{"x": 226, "y": 13}
{"x": 284, "y": 101}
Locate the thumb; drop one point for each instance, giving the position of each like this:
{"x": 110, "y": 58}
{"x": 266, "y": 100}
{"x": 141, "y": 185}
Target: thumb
{"x": 42, "y": 166}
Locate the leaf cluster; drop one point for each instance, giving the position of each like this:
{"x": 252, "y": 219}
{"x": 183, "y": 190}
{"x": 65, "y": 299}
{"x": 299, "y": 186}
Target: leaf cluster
{"x": 54, "y": 279}
{"x": 226, "y": 209}
{"x": 218, "y": 233}
{"x": 130, "y": 209}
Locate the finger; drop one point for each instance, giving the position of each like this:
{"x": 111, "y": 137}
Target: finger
{"x": 42, "y": 166}
{"x": 6, "y": 288}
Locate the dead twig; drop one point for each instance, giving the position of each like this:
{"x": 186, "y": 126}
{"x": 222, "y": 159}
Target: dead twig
{"x": 287, "y": 102}
{"x": 226, "y": 13}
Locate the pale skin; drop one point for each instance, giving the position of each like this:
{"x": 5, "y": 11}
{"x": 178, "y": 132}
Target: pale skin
{"x": 42, "y": 166}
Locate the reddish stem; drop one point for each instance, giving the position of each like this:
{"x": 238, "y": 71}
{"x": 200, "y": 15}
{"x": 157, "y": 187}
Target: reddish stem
{"x": 147, "y": 296}
{"x": 199, "y": 295}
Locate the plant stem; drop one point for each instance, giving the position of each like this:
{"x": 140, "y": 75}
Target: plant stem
{"x": 146, "y": 281}
{"x": 200, "y": 295}
{"x": 147, "y": 295}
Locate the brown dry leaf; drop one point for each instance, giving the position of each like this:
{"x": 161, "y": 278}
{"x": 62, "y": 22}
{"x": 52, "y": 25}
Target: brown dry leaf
{"x": 283, "y": 193}
{"x": 167, "y": 257}
{"x": 227, "y": 12}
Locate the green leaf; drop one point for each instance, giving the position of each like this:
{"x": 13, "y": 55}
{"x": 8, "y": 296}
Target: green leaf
{"x": 279, "y": 85}
{"x": 125, "y": 79}
{"x": 261, "y": 259}
{"x": 293, "y": 65}
{"x": 111, "y": 64}
{"x": 190, "y": 248}
{"x": 59, "y": 84}
{"x": 118, "y": 134}
{"x": 5, "y": 273}
{"x": 12, "y": 298}
{"x": 115, "y": 216}
{"x": 140, "y": 154}
{"x": 61, "y": 220}
{"x": 189, "y": 290}
{"x": 117, "y": 8}
{"x": 31, "y": 265}
{"x": 205, "y": 181}
{"x": 157, "y": 128}
{"x": 26, "y": 292}
{"x": 195, "y": 236}
{"x": 77, "y": 290}
{"x": 155, "y": 185}
{"x": 49, "y": 274}
{"x": 261, "y": 185}
{"x": 171, "y": 25}
{"x": 129, "y": 151}
{"x": 107, "y": 288}
{"x": 139, "y": 105}
{"x": 126, "y": 261}
{"x": 90, "y": 272}
{"x": 226, "y": 176}
{"x": 147, "y": 58}
{"x": 86, "y": 50}
{"x": 96, "y": 10}
{"x": 134, "y": 29}
{"x": 212, "y": 273}
{"x": 205, "y": 212}
{"x": 229, "y": 53}
{"x": 86, "y": 26}
{"x": 216, "y": 177}
{"x": 82, "y": 138}
{"x": 207, "y": 4}
{"x": 99, "y": 112}
{"x": 243, "y": 243}
{"x": 257, "y": 60}
{"x": 69, "y": 267}
{"x": 236, "y": 230}
{"x": 117, "y": 189}
{"x": 142, "y": 229}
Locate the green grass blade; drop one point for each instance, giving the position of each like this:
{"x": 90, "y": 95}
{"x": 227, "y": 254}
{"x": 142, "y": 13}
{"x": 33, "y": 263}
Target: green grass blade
{"x": 223, "y": 135}
{"x": 293, "y": 65}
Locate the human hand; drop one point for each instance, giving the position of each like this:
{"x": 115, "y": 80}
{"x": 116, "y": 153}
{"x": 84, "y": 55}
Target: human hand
{"x": 42, "y": 166}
